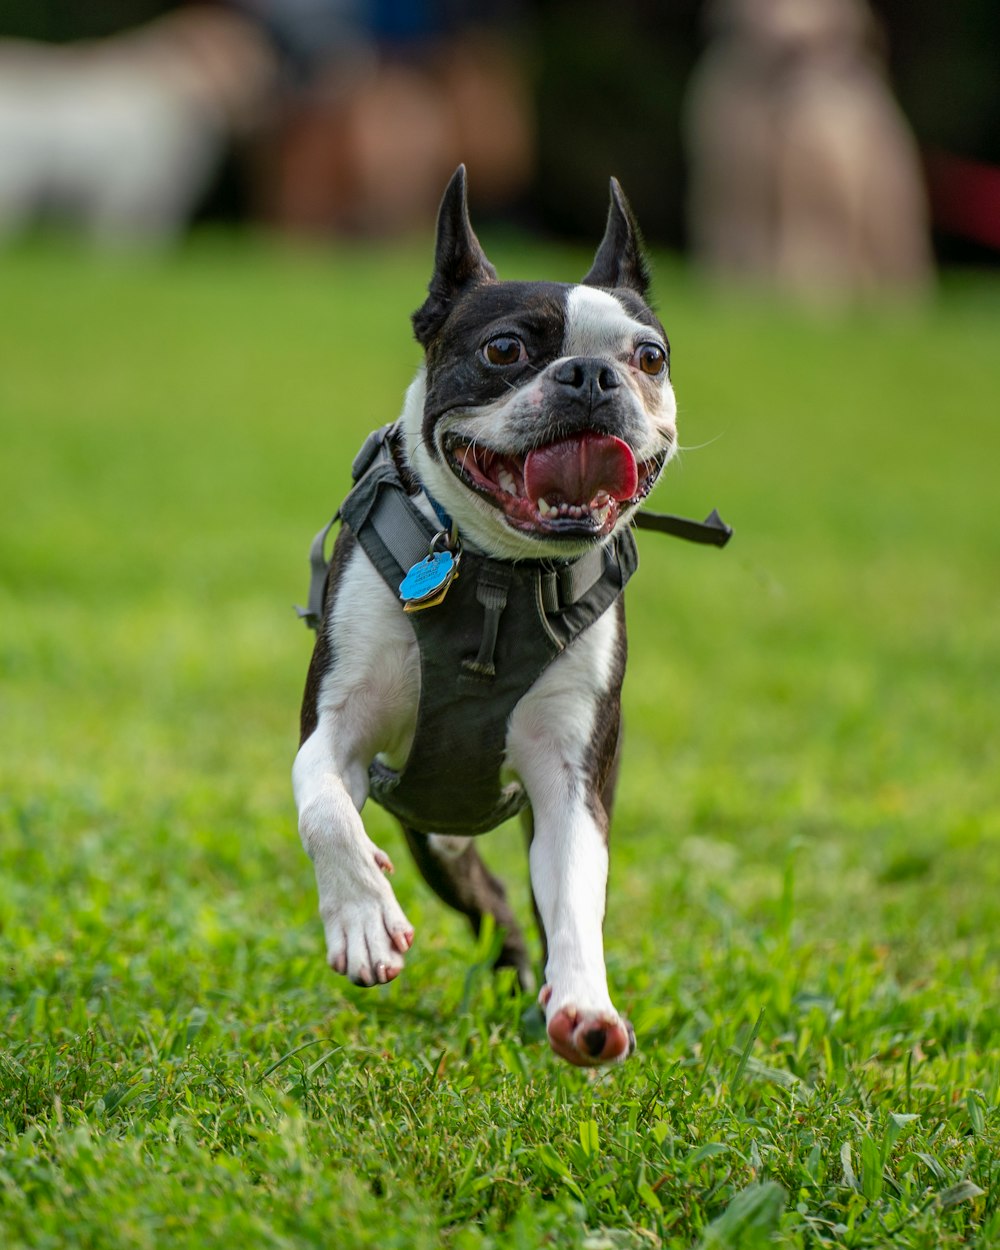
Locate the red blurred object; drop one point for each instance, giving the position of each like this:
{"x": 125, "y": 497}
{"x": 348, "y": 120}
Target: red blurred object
{"x": 965, "y": 197}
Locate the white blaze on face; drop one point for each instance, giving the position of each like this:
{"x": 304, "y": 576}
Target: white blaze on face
{"x": 598, "y": 325}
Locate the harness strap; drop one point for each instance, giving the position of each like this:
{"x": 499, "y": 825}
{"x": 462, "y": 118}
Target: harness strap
{"x": 492, "y": 587}
{"x": 400, "y": 528}
{"x": 370, "y": 448}
{"x": 563, "y": 586}
{"x": 713, "y": 531}
{"x": 312, "y": 613}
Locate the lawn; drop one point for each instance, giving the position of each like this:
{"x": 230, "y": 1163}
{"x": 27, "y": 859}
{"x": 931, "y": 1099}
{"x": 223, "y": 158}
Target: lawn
{"x": 804, "y": 913}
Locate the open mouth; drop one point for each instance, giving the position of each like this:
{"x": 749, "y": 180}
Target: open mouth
{"x": 575, "y": 487}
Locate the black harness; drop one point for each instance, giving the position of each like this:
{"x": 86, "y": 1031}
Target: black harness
{"x": 482, "y": 646}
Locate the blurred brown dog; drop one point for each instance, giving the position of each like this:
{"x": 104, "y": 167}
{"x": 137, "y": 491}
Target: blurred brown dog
{"x": 804, "y": 173}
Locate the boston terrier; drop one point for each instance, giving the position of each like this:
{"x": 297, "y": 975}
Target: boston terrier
{"x": 470, "y": 626}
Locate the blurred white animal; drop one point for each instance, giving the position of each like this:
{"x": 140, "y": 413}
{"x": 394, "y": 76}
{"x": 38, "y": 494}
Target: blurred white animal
{"x": 804, "y": 173}
{"x": 122, "y": 135}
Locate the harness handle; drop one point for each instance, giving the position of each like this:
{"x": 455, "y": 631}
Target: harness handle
{"x": 712, "y": 532}
{"x": 491, "y": 591}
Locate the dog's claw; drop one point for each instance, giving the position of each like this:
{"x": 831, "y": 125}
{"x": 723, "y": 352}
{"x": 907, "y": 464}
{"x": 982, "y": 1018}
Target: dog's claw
{"x": 403, "y": 941}
{"x": 367, "y": 943}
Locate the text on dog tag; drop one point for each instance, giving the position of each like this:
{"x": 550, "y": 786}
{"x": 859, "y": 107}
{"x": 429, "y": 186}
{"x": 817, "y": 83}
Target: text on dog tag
{"x": 427, "y": 582}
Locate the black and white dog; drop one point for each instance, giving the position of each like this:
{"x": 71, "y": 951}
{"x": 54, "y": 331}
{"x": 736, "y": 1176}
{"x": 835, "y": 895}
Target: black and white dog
{"x": 541, "y": 418}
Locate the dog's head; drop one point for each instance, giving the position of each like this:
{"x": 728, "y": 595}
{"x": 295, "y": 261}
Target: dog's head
{"x": 544, "y": 413}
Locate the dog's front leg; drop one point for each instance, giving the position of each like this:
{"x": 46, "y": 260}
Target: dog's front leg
{"x": 361, "y": 699}
{"x": 561, "y": 743}
{"x": 367, "y": 933}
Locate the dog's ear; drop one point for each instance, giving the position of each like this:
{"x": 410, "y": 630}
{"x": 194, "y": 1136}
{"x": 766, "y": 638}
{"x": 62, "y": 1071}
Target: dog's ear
{"x": 620, "y": 261}
{"x": 459, "y": 260}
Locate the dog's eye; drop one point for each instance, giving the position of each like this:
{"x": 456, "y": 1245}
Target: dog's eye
{"x": 505, "y": 349}
{"x": 650, "y": 358}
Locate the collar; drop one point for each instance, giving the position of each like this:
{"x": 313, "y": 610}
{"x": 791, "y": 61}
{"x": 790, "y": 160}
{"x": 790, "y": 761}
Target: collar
{"x": 439, "y": 512}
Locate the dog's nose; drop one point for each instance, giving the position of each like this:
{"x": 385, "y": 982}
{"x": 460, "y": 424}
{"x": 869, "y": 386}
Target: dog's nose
{"x": 587, "y": 376}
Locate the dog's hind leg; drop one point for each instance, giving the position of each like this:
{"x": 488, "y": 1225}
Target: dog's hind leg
{"x": 452, "y": 867}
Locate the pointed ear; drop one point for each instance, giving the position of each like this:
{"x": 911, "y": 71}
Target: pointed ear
{"x": 620, "y": 261}
{"x": 459, "y": 260}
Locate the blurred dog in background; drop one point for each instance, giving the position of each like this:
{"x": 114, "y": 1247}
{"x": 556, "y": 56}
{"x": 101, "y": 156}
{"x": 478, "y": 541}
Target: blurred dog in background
{"x": 122, "y": 136}
{"x": 804, "y": 174}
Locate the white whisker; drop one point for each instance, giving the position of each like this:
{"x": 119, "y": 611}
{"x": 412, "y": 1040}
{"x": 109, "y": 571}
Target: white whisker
{"x": 698, "y": 446}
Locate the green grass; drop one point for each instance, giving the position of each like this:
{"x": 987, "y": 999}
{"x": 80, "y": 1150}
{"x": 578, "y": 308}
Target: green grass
{"x": 803, "y": 919}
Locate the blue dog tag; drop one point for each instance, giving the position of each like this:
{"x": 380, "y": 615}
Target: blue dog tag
{"x": 428, "y": 578}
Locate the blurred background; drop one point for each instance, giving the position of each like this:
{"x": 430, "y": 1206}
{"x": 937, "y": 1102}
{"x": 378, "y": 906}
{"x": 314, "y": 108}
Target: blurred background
{"x": 822, "y": 146}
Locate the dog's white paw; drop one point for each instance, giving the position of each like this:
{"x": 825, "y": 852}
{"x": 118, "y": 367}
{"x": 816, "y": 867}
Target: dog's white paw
{"x": 367, "y": 933}
{"x": 587, "y": 1037}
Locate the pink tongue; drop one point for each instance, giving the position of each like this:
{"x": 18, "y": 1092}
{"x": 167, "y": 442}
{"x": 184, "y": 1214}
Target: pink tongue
{"x": 577, "y": 469}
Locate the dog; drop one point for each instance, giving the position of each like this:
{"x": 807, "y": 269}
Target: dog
{"x": 804, "y": 174}
{"x": 470, "y": 626}
{"x": 121, "y": 137}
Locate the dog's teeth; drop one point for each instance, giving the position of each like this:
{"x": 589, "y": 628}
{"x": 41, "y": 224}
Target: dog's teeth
{"x": 506, "y": 482}
{"x": 543, "y": 507}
